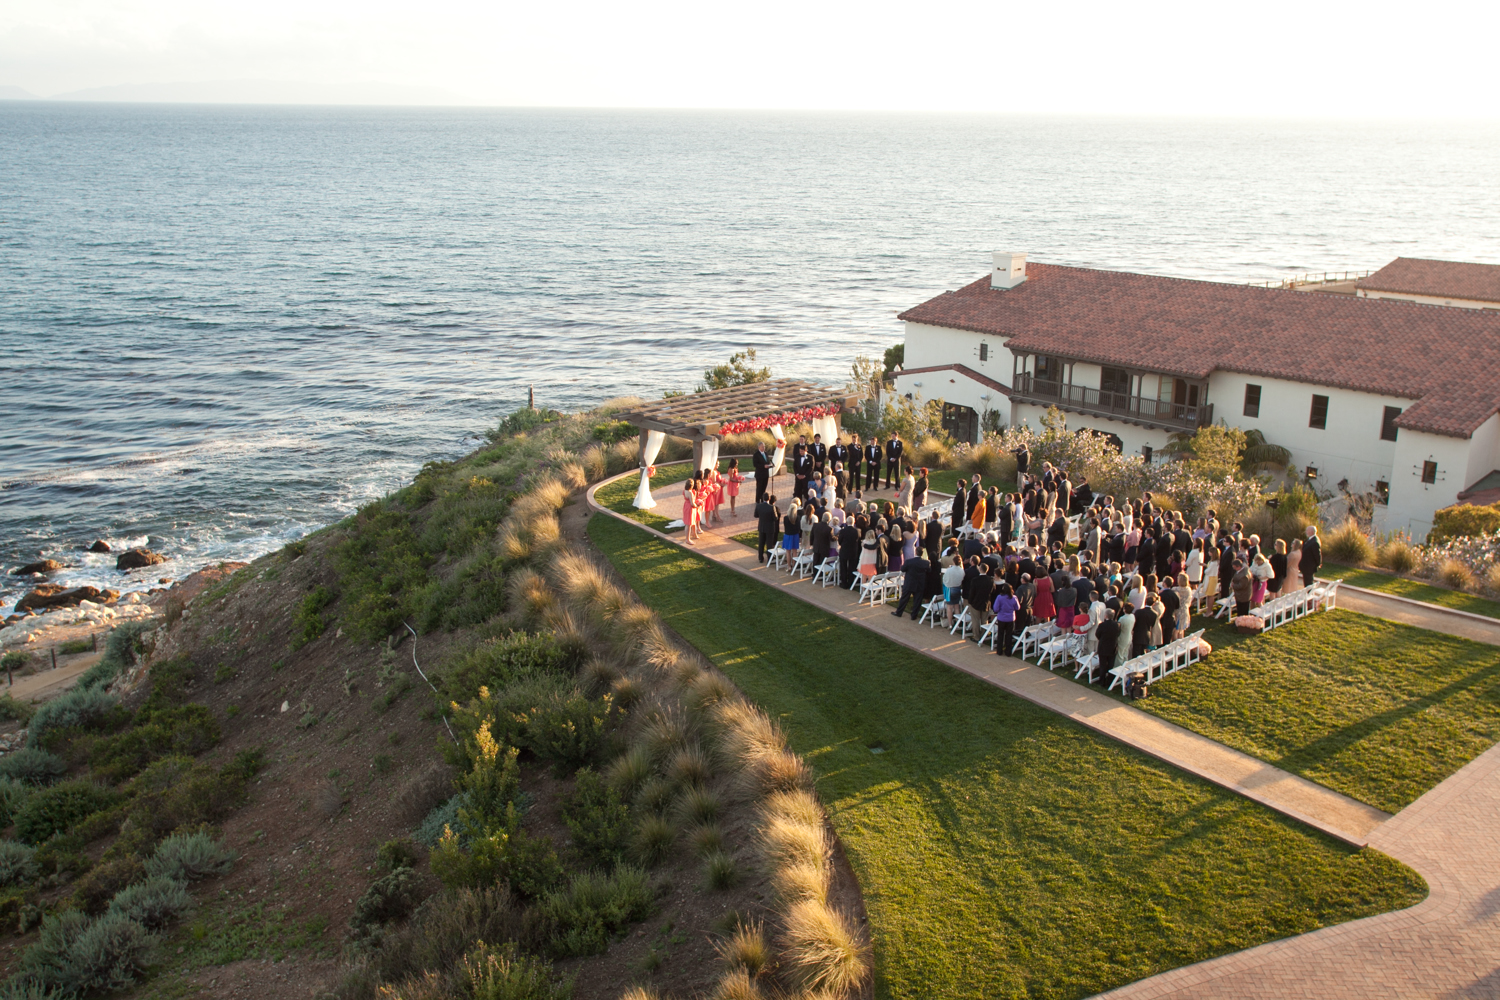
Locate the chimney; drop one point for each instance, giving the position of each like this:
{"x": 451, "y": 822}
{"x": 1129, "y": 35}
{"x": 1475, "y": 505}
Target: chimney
{"x": 1010, "y": 270}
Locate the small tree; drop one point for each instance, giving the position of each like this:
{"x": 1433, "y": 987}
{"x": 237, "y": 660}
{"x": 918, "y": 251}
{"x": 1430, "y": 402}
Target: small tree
{"x": 895, "y": 357}
{"x": 1216, "y": 451}
{"x": 738, "y": 371}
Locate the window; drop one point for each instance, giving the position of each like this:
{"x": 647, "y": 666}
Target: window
{"x": 1319, "y": 417}
{"x": 1388, "y": 424}
{"x": 1048, "y": 369}
{"x": 1146, "y": 453}
{"x": 1252, "y": 400}
{"x": 1382, "y": 491}
{"x": 984, "y": 352}
{"x": 1429, "y": 472}
{"x": 1312, "y": 472}
{"x": 1114, "y": 380}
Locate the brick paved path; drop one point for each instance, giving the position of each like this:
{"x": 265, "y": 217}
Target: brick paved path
{"x": 1446, "y": 946}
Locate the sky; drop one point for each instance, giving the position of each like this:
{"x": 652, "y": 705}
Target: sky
{"x": 1314, "y": 59}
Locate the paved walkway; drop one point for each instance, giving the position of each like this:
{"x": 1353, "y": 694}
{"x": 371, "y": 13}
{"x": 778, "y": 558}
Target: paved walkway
{"x": 1420, "y": 614}
{"x": 1311, "y": 803}
{"x": 1447, "y": 946}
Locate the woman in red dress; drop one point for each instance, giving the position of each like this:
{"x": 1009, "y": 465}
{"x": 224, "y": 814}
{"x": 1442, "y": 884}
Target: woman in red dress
{"x": 690, "y": 509}
{"x": 732, "y": 484}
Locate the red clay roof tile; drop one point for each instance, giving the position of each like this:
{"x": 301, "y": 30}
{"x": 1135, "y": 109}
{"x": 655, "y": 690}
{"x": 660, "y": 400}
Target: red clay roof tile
{"x": 1450, "y": 279}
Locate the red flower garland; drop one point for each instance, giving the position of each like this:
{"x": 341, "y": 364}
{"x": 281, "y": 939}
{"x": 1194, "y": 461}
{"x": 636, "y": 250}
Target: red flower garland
{"x": 804, "y": 415}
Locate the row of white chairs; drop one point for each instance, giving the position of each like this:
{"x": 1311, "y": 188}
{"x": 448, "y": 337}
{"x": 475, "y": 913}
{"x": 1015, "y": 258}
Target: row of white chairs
{"x": 1287, "y": 607}
{"x": 1158, "y": 663}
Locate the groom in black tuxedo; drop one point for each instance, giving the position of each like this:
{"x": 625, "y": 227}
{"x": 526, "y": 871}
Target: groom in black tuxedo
{"x": 819, "y": 452}
{"x": 873, "y": 455}
{"x": 762, "y": 463}
{"x": 855, "y": 456}
{"x": 893, "y": 449}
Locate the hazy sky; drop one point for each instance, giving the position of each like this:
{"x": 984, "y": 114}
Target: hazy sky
{"x": 1322, "y": 59}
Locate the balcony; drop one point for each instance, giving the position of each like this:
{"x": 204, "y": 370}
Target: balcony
{"x": 1114, "y": 405}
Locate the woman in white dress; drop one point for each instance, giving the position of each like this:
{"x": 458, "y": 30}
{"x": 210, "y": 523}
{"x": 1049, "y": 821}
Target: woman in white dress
{"x": 908, "y": 485}
{"x": 1127, "y": 626}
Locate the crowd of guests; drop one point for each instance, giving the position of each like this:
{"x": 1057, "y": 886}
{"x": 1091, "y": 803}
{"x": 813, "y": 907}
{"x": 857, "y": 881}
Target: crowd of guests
{"x": 1128, "y": 585}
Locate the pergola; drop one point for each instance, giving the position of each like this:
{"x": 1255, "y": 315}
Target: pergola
{"x": 702, "y": 417}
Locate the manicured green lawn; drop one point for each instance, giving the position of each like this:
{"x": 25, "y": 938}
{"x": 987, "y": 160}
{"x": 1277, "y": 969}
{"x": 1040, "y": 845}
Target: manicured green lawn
{"x": 1377, "y": 710}
{"x": 943, "y": 480}
{"x": 620, "y": 496}
{"x": 1003, "y": 850}
{"x": 1400, "y": 586}
{"x": 749, "y": 538}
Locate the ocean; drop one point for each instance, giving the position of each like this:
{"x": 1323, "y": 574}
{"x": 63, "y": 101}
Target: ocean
{"x": 224, "y": 327}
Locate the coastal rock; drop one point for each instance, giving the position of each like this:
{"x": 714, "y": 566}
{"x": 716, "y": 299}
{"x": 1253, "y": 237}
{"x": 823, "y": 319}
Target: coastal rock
{"x": 136, "y": 558}
{"x": 51, "y": 595}
{"x": 41, "y": 566}
{"x": 100, "y": 545}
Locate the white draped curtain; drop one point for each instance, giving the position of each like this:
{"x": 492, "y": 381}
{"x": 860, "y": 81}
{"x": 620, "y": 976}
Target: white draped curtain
{"x": 828, "y": 428}
{"x": 710, "y": 454}
{"x": 780, "y": 452}
{"x": 643, "y": 498}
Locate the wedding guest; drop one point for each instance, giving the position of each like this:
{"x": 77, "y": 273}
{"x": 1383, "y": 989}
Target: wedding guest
{"x": 1312, "y": 556}
{"x": 762, "y": 463}
{"x": 768, "y": 522}
{"x": 732, "y": 485}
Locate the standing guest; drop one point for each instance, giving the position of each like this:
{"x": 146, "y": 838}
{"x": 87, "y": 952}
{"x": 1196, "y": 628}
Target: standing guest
{"x": 869, "y": 555}
{"x": 976, "y": 493}
{"x": 981, "y": 592}
{"x": 1005, "y": 608}
{"x": 732, "y": 485}
{"x": 1184, "y": 617}
{"x": 908, "y": 487}
{"x": 873, "y": 454}
{"x": 1242, "y": 585}
{"x": 1026, "y": 598}
{"x": 690, "y": 508}
{"x": 1057, "y": 531}
{"x": 822, "y": 539}
{"x": 848, "y": 538}
{"x": 819, "y": 453}
{"x": 893, "y": 450}
{"x": 977, "y": 513}
{"x": 1294, "y": 561}
{"x": 856, "y": 455}
{"x": 1194, "y": 565}
{"x": 1142, "y": 632}
{"x": 953, "y": 582}
{"x": 838, "y": 452}
{"x": 1023, "y": 462}
{"x": 1042, "y": 607}
{"x": 762, "y": 463}
{"x": 1107, "y": 636}
{"x": 1226, "y": 567}
{"x": 768, "y": 522}
{"x": 1278, "y": 567}
{"x": 933, "y": 537}
{"x": 960, "y": 511}
{"x": 791, "y": 532}
{"x": 913, "y": 586}
{"x": 840, "y": 480}
{"x": 1127, "y": 634}
{"x": 1170, "y": 601}
{"x": 802, "y": 470}
{"x": 1064, "y": 599}
{"x": 1312, "y": 556}
{"x": 919, "y": 492}
{"x": 895, "y": 551}
{"x": 856, "y": 505}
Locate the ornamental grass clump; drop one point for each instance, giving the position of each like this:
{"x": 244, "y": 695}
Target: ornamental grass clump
{"x": 662, "y": 736}
{"x": 629, "y": 771}
{"x": 699, "y": 805}
{"x": 1452, "y": 573}
{"x": 1492, "y": 578}
{"x": 1397, "y": 555}
{"x": 689, "y": 767}
{"x": 1348, "y": 544}
{"x": 736, "y": 984}
{"x": 653, "y": 839}
{"x": 627, "y": 692}
{"x": 821, "y": 950}
{"x": 720, "y": 870}
{"x": 745, "y": 949}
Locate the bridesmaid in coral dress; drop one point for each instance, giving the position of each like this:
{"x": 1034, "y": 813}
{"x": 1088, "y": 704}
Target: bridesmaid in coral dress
{"x": 690, "y": 509}
{"x": 732, "y": 484}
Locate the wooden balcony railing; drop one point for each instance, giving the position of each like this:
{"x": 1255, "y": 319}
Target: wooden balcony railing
{"x": 1121, "y": 406}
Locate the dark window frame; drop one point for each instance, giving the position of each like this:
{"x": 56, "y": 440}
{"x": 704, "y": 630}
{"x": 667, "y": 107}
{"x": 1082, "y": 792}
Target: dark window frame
{"x": 1315, "y": 419}
{"x": 1109, "y": 380}
{"x": 1429, "y": 472}
{"x": 1382, "y": 491}
{"x": 1252, "y": 406}
{"x": 984, "y": 351}
{"x": 1388, "y": 427}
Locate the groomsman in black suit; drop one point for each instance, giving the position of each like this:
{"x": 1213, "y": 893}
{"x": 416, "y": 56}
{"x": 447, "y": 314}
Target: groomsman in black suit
{"x": 802, "y": 469}
{"x": 852, "y": 462}
{"x": 762, "y": 463}
{"x": 975, "y": 492}
{"x": 893, "y": 449}
{"x": 819, "y": 452}
{"x": 838, "y": 454}
{"x": 873, "y": 455}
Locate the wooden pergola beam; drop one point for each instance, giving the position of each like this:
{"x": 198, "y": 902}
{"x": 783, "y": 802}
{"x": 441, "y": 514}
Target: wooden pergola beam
{"x": 701, "y": 414}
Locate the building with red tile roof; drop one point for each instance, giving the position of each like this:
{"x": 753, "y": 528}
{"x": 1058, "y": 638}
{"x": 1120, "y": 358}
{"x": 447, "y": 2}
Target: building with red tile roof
{"x": 1435, "y": 282}
{"x": 1395, "y": 397}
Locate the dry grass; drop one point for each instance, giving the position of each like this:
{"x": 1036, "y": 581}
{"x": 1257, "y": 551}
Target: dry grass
{"x": 573, "y": 475}
{"x": 705, "y": 838}
{"x": 595, "y": 462}
{"x": 653, "y": 839}
{"x": 662, "y": 735}
{"x": 1396, "y": 555}
{"x": 736, "y": 984}
{"x": 801, "y": 882}
{"x": 627, "y": 691}
{"x": 707, "y": 690}
{"x": 657, "y": 795}
{"x": 989, "y": 462}
{"x": 635, "y": 622}
{"x": 424, "y": 986}
{"x": 745, "y": 733}
{"x": 544, "y": 499}
{"x": 1492, "y": 578}
{"x": 931, "y": 452}
{"x": 1348, "y": 544}
{"x": 640, "y": 993}
{"x": 779, "y": 771}
{"x": 689, "y": 767}
{"x": 582, "y": 583}
{"x": 746, "y": 949}
{"x": 821, "y": 950}
{"x": 786, "y": 842}
{"x": 512, "y": 546}
{"x": 1455, "y": 574}
{"x": 624, "y": 455}
{"x": 800, "y": 806}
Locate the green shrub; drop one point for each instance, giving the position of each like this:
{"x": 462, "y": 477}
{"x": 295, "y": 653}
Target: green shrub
{"x": 308, "y": 623}
{"x": 81, "y": 708}
{"x": 188, "y": 857}
{"x": 399, "y": 852}
{"x": 614, "y": 430}
{"x": 381, "y": 569}
{"x": 719, "y": 870}
{"x": 14, "y": 660}
{"x": 13, "y": 795}
{"x": 59, "y": 808}
{"x": 75, "y": 955}
{"x": 437, "y": 937}
{"x": 525, "y": 419}
{"x": 21, "y": 711}
{"x": 653, "y": 839}
{"x": 389, "y": 899}
{"x": 505, "y": 973}
{"x": 98, "y": 886}
{"x": 598, "y": 819}
{"x": 73, "y": 646}
{"x": 501, "y": 663}
{"x": 183, "y": 730}
{"x": 18, "y": 865}
{"x": 120, "y": 652}
{"x": 507, "y": 854}
{"x": 581, "y": 919}
{"x": 1462, "y": 520}
{"x": 1348, "y": 544}
{"x": 177, "y": 792}
{"x": 35, "y": 767}
{"x": 572, "y": 731}
{"x": 392, "y": 694}
{"x": 153, "y": 904}
{"x": 443, "y": 817}
{"x": 493, "y": 781}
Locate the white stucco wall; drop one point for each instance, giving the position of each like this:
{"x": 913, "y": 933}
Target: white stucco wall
{"x": 1431, "y": 300}
{"x": 1132, "y": 436}
{"x": 955, "y": 387}
{"x": 937, "y": 345}
{"x": 1413, "y": 501}
{"x": 1484, "y": 451}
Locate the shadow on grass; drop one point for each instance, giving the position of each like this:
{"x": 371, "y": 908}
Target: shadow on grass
{"x": 1004, "y": 851}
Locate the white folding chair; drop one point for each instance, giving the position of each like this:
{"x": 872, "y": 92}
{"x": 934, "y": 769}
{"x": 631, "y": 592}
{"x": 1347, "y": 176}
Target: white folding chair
{"x": 776, "y": 558}
{"x": 1224, "y": 606}
{"x": 872, "y": 589}
{"x": 1085, "y": 662}
{"x": 803, "y": 564}
{"x": 989, "y": 633}
{"x": 827, "y": 571}
{"x": 932, "y": 612}
{"x": 963, "y": 623}
{"x": 1053, "y": 651}
{"x": 893, "y": 584}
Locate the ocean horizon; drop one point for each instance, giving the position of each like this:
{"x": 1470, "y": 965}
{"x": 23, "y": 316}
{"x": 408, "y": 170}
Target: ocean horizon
{"x": 230, "y": 325}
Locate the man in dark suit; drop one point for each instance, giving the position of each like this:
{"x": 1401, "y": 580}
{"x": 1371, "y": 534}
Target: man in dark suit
{"x": 768, "y": 522}
{"x": 913, "y": 586}
{"x": 1023, "y": 463}
{"x": 1312, "y": 556}
{"x": 762, "y": 463}
{"x": 893, "y": 449}
{"x": 960, "y": 506}
{"x": 838, "y": 454}
{"x": 819, "y": 452}
{"x": 840, "y": 481}
{"x": 849, "y": 544}
{"x": 802, "y": 469}
{"x": 1108, "y": 634}
{"x": 873, "y": 454}
{"x": 975, "y": 492}
{"x": 852, "y": 461}
{"x": 932, "y": 540}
